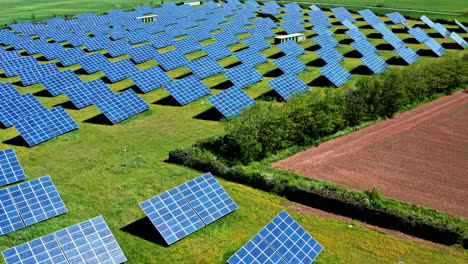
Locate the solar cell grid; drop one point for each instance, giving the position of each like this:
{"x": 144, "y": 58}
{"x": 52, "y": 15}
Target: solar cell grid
{"x": 256, "y": 250}
{"x": 41, "y": 250}
{"x": 130, "y": 101}
{"x": 171, "y": 59}
{"x": 261, "y": 31}
{"x": 90, "y": 242}
{"x": 418, "y": 34}
{"x": 463, "y": 27}
{"x": 355, "y": 34}
{"x": 7, "y": 90}
{"x": 396, "y": 18}
{"x": 314, "y": 8}
{"x": 256, "y": 42}
{"x": 250, "y": 57}
{"x": 342, "y": 14}
{"x": 364, "y": 47}
{"x": 374, "y": 62}
{"x": 326, "y": 41}
{"x": 330, "y": 55}
{"x": 231, "y": 102}
{"x": 119, "y": 70}
{"x": 335, "y": 73}
{"x": 435, "y": 46}
{"x": 459, "y": 40}
{"x": 407, "y": 54}
{"x": 266, "y": 22}
{"x": 161, "y": 40}
{"x": 234, "y": 28}
{"x": 34, "y": 74}
{"x": 427, "y": 21}
{"x": 187, "y": 89}
{"x": 290, "y": 64}
{"x": 292, "y": 27}
{"x": 171, "y": 207}
{"x": 15, "y": 108}
{"x": 441, "y": 29}
{"x": 288, "y": 86}
{"x": 394, "y": 40}
{"x": 204, "y": 67}
{"x": 291, "y": 48}
{"x": 207, "y": 198}
{"x": 10, "y": 219}
{"x": 70, "y": 56}
{"x": 143, "y": 53}
{"x": 349, "y": 25}
{"x": 118, "y": 48}
{"x": 187, "y": 45}
{"x": 58, "y": 83}
{"x": 217, "y": 50}
{"x": 243, "y": 76}
{"x": 10, "y": 167}
{"x": 366, "y": 13}
{"x": 11, "y": 67}
{"x": 150, "y": 79}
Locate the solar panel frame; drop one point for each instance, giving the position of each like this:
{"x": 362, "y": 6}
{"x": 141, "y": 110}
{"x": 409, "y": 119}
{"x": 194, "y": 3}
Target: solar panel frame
{"x": 288, "y": 86}
{"x": 374, "y": 63}
{"x": 243, "y": 76}
{"x": 204, "y": 67}
{"x": 10, "y": 167}
{"x": 407, "y": 54}
{"x": 335, "y": 73}
{"x": 418, "y": 34}
{"x": 290, "y": 64}
{"x": 441, "y": 29}
{"x": 10, "y": 219}
{"x": 187, "y": 89}
{"x": 150, "y": 79}
{"x": 435, "y": 46}
{"x": 37, "y": 200}
{"x": 90, "y": 241}
{"x": 231, "y": 102}
{"x": 459, "y": 40}
{"x": 217, "y": 50}
{"x": 460, "y": 24}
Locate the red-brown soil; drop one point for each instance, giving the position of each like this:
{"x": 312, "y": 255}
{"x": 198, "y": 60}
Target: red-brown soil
{"x": 420, "y": 156}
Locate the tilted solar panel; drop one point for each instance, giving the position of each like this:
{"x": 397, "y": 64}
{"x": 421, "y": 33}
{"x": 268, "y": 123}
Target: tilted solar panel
{"x": 282, "y": 240}
{"x": 427, "y": 20}
{"x": 12, "y": 67}
{"x": 292, "y": 27}
{"x": 243, "y": 76}
{"x": 70, "y": 56}
{"x": 349, "y": 25}
{"x": 34, "y": 74}
{"x": 366, "y": 13}
{"x": 150, "y": 79}
{"x": 90, "y": 242}
{"x": 171, "y": 59}
{"x": 119, "y": 70}
{"x": 118, "y": 107}
{"x": 161, "y": 40}
{"x": 321, "y": 30}
{"x": 41, "y": 250}
{"x": 130, "y": 101}
{"x": 441, "y": 29}
{"x": 231, "y": 102}
{"x": 330, "y": 55}
{"x": 256, "y": 42}
{"x": 217, "y": 51}
{"x": 10, "y": 219}
{"x": 143, "y": 53}
{"x": 396, "y": 18}
{"x": 37, "y": 200}
{"x": 459, "y": 40}
{"x": 364, "y": 47}
{"x": 227, "y": 38}
{"x": 335, "y": 73}
{"x": 187, "y": 45}
{"x": 288, "y": 86}
{"x": 407, "y": 54}
{"x": 460, "y": 24}
{"x": 394, "y": 40}
{"x": 7, "y": 90}
{"x": 435, "y": 46}
{"x": 356, "y": 34}
{"x": 207, "y": 198}
{"x": 172, "y": 215}
{"x": 204, "y": 67}
{"x": 10, "y": 167}
{"x": 59, "y": 83}
{"x": 290, "y": 64}
{"x": 15, "y": 108}
{"x": 418, "y": 34}
{"x": 374, "y": 63}
{"x": 187, "y": 89}
{"x": 85, "y": 93}
{"x": 251, "y": 57}
{"x": 342, "y": 14}
{"x": 326, "y": 41}
{"x": 291, "y": 48}
{"x": 45, "y": 125}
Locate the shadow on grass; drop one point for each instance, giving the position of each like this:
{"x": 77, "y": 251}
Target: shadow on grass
{"x": 169, "y": 101}
{"x": 43, "y": 93}
{"x": 346, "y": 41}
{"x": 411, "y": 41}
{"x": 100, "y": 119}
{"x": 397, "y": 61}
{"x": 16, "y": 141}
{"x": 67, "y": 105}
{"x": 223, "y": 86}
{"x": 211, "y": 114}
{"x": 454, "y": 46}
{"x": 277, "y": 55}
{"x": 274, "y": 73}
{"x": 143, "y": 228}
{"x": 317, "y": 63}
{"x": 353, "y": 54}
{"x": 270, "y": 96}
{"x": 426, "y": 53}
{"x": 321, "y": 81}
{"x": 362, "y": 70}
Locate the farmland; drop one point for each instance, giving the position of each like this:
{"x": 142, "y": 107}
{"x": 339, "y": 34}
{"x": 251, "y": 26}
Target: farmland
{"x": 107, "y": 170}
{"x": 415, "y": 157}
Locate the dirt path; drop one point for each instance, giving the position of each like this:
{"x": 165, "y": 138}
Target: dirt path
{"x": 420, "y": 156}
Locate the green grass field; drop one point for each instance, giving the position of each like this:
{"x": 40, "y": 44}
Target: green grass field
{"x": 95, "y": 177}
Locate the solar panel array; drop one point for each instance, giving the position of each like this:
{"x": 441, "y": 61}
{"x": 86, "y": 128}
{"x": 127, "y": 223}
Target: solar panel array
{"x": 88, "y": 242}
{"x": 407, "y": 54}
{"x": 288, "y": 86}
{"x": 282, "y": 240}
{"x": 10, "y": 167}
{"x": 150, "y": 79}
{"x": 119, "y": 107}
{"x": 183, "y": 210}
{"x": 231, "y": 102}
{"x": 335, "y": 73}
{"x": 28, "y": 203}
{"x": 435, "y": 46}
{"x": 242, "y": 76}
{"x": 290, "y": 64}
{"x": 459, "y": 40}
{"x": 374, "y": 63}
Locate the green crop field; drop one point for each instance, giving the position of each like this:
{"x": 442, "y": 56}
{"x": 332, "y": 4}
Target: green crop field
{"x": 95, "y": 176}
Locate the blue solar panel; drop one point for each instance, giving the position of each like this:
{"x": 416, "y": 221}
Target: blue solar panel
{"x": 187, "y": 45}
{"x": 374, "y": 63}
{"x": 335, "y": 73}
{"x": 172, "y": 59}
{"x": 342, "y": 14}
{"x": 10, "y": 219}
{"x": 407, "y": 54}
{"x": 10, "y": 167}
{"x": 243, "y": 76}
{"x": 441, "y": 29}
{"x": 161, "y": 40}
{"x": 396, "y": 18}
{"x": 427, "y": 21}
{"x": 172, "y": 215}
{"x": 85, "y": 93}
{"x": 34, "y": 74}
{"x": 435, "y": 46}
{"x": 187, "y": 89}
{"x": 150, "y": 79}
{"x": 330, "y": 55}
{"x": 204, "y": 67}
{"x": 418, "y": 34}
{"x": 90, "y": 242}
{"x": 70, "y": 56}
{"x": 119, "y": 107}
{"x": 231, "y": 102}
{"x": 217, "y": 51}
{"x": 326, "y": 41}
{"x": 460, "y": 24}
{"x": 227, "y": 38}
{"x": 37, "y": 200}
{"x": 256, "y": 42}
{"x": 119, "y": 70}
{"x": 394, "y": 40}
{"x": 349, "y": 25}
{"x": 7, "y": 91}
{"x": 58, "y": 83}
{"x": 282, "y": 240}
{"x": 45, "y": 125}
{"x": 118, "y": 48}
{"x": 314, "y": 8}
{"x": 292, "y": 27}
{"x": 364, "y": 47}
{"x": 15, "y": 108}
{"x": 288, "y": 86}
{"x": 12, "y": 67}
{"x": 250, "y": 57}
{"x": 143, "y": 53}
{"x": 290, "y": 64}
{"x": 459, "y": 40}
{"x": 207, "y": 198}
{"x": 366, "y": 13}
{"x": 291, "y": 48}
{"x": 41, "y": 250}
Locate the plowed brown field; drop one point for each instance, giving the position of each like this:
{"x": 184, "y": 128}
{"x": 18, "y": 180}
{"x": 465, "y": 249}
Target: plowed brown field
{"x": 420, "y": 156}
